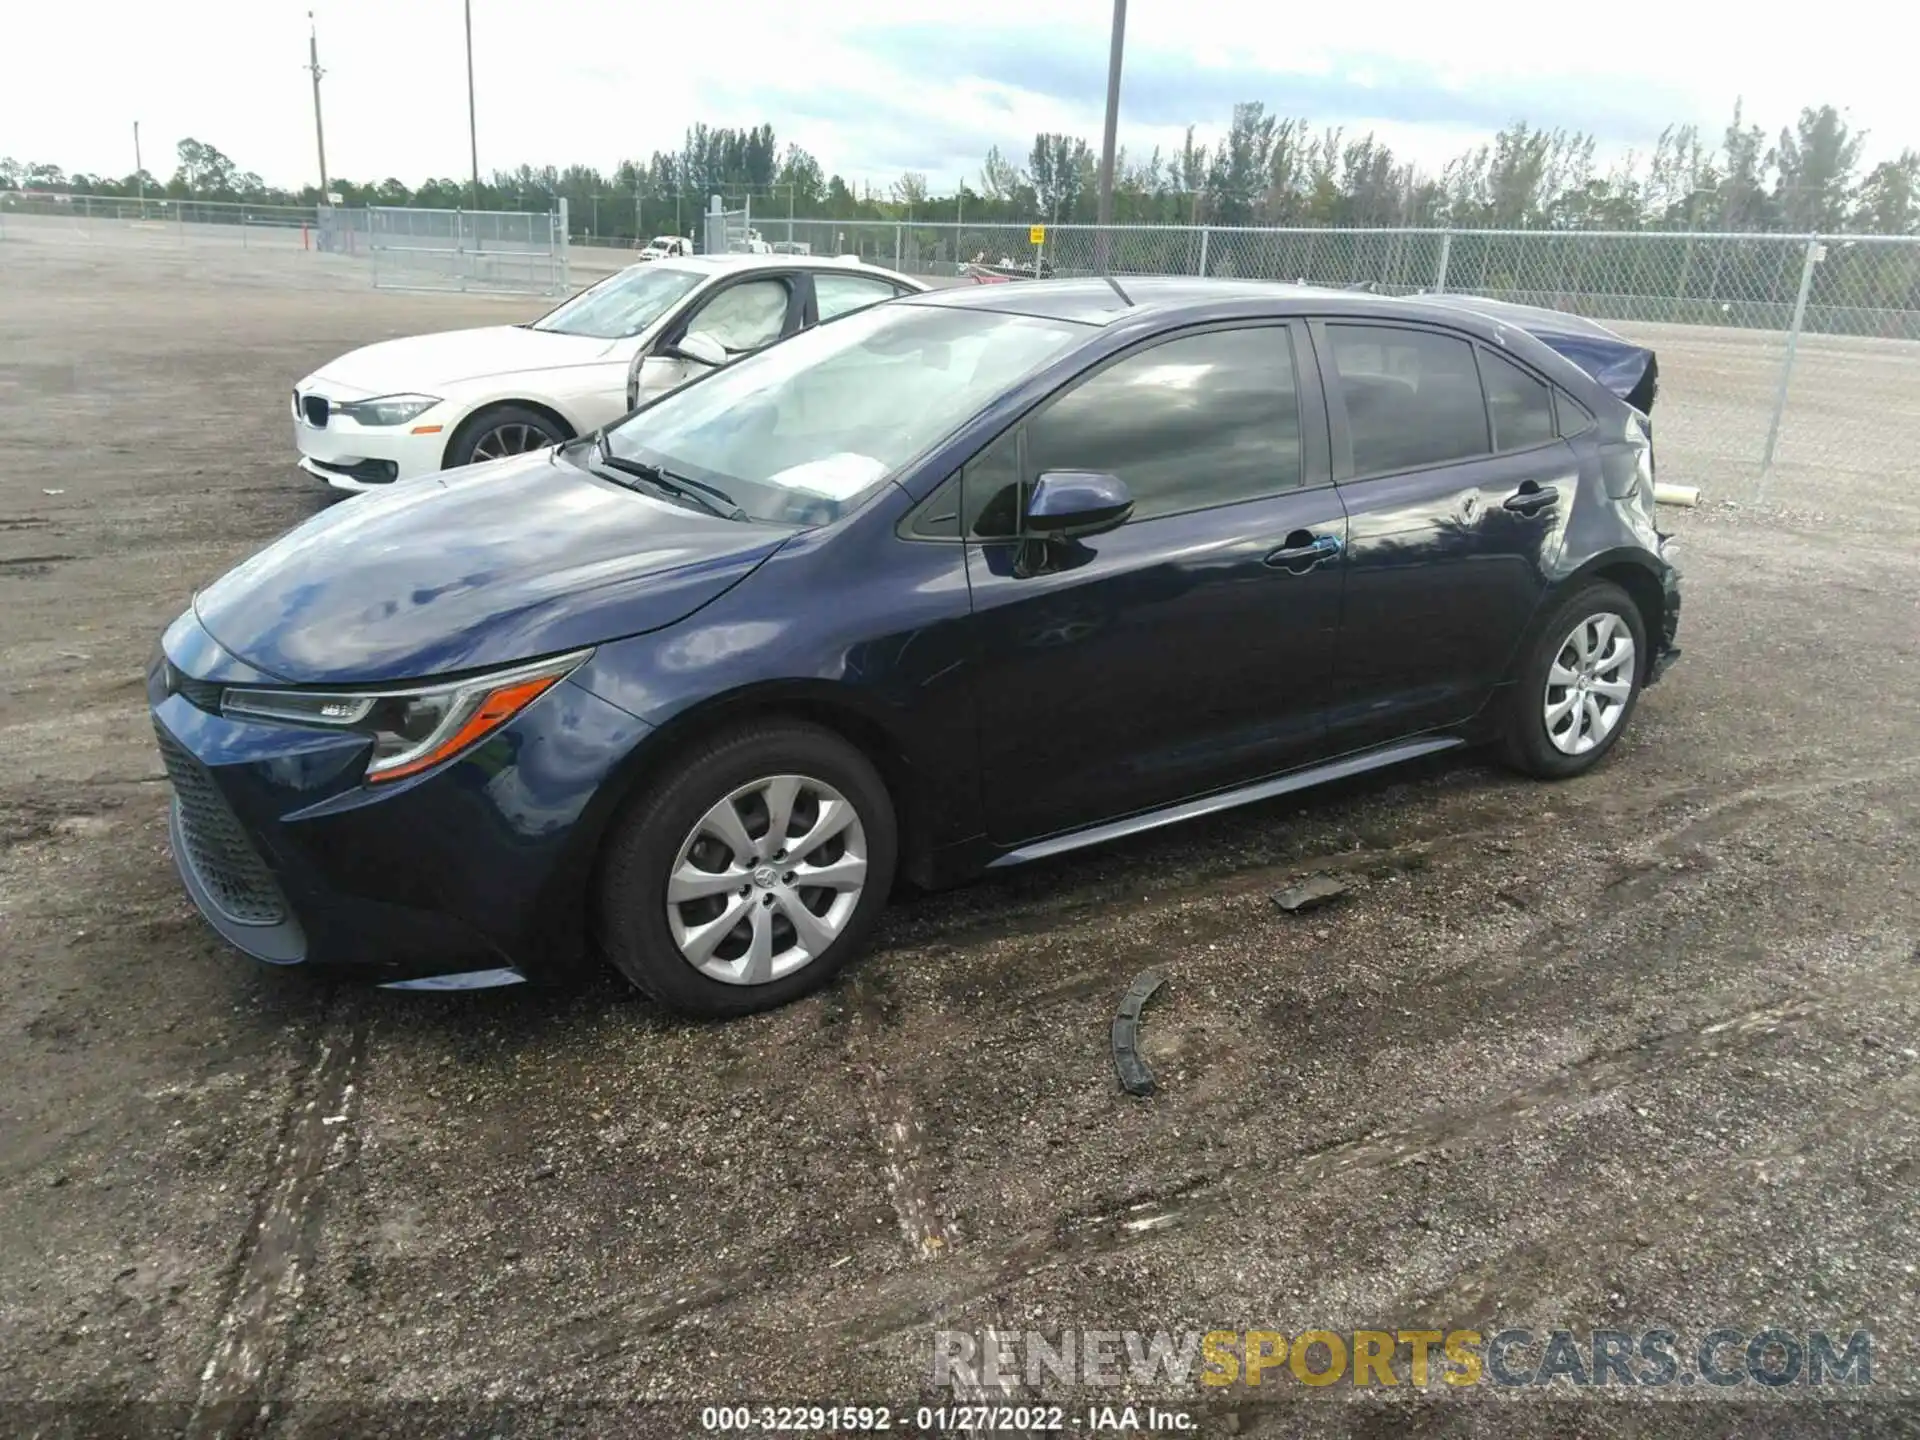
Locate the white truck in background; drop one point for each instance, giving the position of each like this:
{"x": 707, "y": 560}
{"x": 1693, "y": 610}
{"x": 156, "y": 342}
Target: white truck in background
{"x": 666, "y": 247}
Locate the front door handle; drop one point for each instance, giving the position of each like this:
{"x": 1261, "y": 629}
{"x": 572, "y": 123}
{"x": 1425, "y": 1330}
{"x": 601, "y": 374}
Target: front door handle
{"x": 1531, "y": 497}
{"x": 1304, "y": 550}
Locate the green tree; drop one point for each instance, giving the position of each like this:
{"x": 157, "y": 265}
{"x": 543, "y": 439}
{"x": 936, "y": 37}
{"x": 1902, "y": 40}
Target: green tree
{"x": 204, "y": 173}
{"x": 1816, "y": 160}
{"x": 1239, "y": 173}
{"x": 1059, "y": 167}
{"x": 910, "y": 190}
{"x": 1743, "y": 200}
{"x": 1890, "y": 197}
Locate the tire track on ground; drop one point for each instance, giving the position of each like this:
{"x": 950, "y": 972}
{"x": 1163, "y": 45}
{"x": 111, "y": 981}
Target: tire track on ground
{"x": 931, "y": 1238}
{"x": 275, "y": 1254}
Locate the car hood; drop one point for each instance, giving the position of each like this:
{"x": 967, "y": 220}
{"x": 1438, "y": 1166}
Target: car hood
{"x": 470, "y": 568}
{"x": 418, "y": 363}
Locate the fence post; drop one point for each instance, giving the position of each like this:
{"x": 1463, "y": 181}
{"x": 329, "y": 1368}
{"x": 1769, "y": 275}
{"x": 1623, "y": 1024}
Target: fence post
{"x": 1816, "y": 252}
{"x": 899, "y": 233}
{"x": 1446, "y": 251}
{"x": 1206, "y": 233}
{"x": 563, "y": 240}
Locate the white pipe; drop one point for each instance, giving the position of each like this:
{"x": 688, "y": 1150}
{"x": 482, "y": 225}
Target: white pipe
{"x": 1687, "y": 495}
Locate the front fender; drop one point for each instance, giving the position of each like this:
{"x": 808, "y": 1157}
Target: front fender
{"x": 583, "y": 397}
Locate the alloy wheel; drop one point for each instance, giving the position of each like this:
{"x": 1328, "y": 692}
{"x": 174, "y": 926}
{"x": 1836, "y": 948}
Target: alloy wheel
{"x": 767, "y": 880}
{"x": 513, "y": 438}
{"x": 1589, "y": 683}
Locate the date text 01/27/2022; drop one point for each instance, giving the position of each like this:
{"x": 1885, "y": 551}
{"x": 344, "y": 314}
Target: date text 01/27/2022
{"x": 941, "y": 1419}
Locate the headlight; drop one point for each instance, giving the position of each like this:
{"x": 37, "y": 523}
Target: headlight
{"x": 415, "y": 727}
{"x": 386, "y": 409}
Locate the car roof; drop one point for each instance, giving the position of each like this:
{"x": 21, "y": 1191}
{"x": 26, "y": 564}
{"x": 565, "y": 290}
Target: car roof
{"x": 1168, "y": 299}
{"x": 1149, "y": 304}
{"x": 733, "y": 264}
{"x": 1097, "y": 302}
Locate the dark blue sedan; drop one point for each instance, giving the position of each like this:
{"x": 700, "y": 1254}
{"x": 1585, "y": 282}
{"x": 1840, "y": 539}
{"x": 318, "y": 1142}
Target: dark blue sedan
{"x": 960, "y": 581}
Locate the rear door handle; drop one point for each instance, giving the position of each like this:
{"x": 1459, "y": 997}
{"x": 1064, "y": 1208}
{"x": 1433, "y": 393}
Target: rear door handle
{"x": 1303, "y": 550}
{"x": 1531, "y": 497}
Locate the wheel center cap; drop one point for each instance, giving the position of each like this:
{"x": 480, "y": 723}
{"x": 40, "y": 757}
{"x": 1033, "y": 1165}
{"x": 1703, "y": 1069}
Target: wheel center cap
{"x": 766, "y": 877}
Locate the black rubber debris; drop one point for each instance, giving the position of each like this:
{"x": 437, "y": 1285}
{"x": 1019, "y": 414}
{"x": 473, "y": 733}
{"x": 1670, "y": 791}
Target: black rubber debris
{"x": 1135, "y": 1077}
{"x": 1311, "y": 894}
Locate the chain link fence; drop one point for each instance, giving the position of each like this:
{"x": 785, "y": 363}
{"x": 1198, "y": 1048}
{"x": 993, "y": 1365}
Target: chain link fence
{"x": 1790, "y": 365}
{"x": 507, "y": 252}
{"x": 158, "y": 221}
{"x": 503, "y": 252}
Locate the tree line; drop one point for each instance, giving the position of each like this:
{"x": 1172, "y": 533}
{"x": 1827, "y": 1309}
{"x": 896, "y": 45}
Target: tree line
{"x": 1267, "y": 169}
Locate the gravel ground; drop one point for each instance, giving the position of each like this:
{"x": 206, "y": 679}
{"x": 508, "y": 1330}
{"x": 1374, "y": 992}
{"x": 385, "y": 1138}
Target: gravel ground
{"x": 1632, "y": 1052}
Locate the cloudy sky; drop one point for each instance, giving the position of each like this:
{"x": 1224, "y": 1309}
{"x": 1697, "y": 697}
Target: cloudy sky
{"x": 876, "y": 87}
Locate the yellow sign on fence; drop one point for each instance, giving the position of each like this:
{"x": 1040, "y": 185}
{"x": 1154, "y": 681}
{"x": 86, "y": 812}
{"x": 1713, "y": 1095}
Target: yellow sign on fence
{"x": 1037, "y": 235}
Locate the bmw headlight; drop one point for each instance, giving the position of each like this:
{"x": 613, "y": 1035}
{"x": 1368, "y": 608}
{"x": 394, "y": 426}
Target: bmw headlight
{"x": 413, "y": 727}
{"x": 386, "y": 409}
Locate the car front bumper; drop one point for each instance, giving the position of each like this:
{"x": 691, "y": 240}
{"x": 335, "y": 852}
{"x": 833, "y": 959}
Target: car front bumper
{"x": 472, "y": 873}
{"x": 351, "y": 456}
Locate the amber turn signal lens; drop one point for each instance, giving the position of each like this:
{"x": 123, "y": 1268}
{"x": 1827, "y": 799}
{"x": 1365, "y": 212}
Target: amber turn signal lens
{"x": 498, "y": 707}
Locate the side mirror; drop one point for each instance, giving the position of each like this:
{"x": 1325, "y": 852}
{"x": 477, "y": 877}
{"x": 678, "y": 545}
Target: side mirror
{"x": 1068, "y": 504}
{"x": 699, "y": 348}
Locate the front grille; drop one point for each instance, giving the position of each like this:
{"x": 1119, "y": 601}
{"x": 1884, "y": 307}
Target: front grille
{"x": 316, "y": 408}
{"x": 221, "y": 857}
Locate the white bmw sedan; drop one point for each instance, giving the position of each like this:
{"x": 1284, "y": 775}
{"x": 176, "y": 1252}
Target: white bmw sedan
{"x": 404, "y": 408}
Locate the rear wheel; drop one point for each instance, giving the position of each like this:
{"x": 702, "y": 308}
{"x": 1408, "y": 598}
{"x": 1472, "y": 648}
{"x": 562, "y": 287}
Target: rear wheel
{"x": 751, "y": 873}
{"x": 1579, "y": 686}
{"x": 500, "y": 431}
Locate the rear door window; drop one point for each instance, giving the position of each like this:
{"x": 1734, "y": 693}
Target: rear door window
{"x": 1520, "y": 406}
{"x": 1412, "y": 397}
{"x": 838, "y": 294}
{"x": 1575, "y": 418}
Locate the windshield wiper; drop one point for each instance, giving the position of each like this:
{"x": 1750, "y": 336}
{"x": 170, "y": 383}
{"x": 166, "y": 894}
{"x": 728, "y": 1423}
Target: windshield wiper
{"x": 710, "y": 498}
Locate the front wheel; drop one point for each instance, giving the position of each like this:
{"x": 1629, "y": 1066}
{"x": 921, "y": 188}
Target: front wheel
{"x": 500, "y": 431}
{"x": 1579, "y": 685}
{"x": 751, "y": 873}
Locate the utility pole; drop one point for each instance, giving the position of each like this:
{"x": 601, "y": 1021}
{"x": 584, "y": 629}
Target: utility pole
{"x": 319, "y": 126}
{"x": 1100, "y": 244}
{"x": 473, "y": 133}
{"x": 139, "y": 170}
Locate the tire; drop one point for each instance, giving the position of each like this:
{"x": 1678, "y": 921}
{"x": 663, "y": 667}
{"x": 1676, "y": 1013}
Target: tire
{"x": 1570, "y": 746}
{"x": 760, "y": 958}
{"x": 503, "y": 427}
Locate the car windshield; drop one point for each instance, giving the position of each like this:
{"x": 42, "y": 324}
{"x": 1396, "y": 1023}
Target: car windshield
{"x": 802, "y": 431}
{"x": 621, "y": 305}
